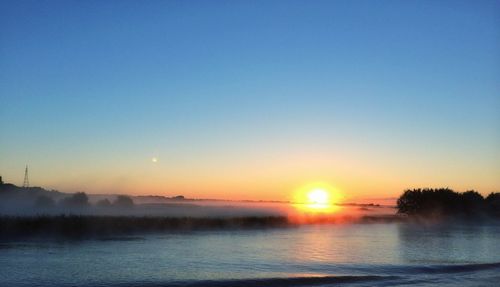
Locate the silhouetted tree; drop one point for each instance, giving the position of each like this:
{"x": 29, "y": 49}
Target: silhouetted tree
{"x": 44, "y": 202}
{"x": 123, "y": 201}
{"x": 77, "y": 200}
{"x": 410, "y": 202}
{"x": 493, "y": 203}
{"x": 472, "y": 202}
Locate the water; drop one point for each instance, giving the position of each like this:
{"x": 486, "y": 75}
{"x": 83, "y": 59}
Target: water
{"x": 322, "y": 255}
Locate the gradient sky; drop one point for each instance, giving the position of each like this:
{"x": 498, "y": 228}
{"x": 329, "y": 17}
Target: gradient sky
{"x": 250, "y": 99}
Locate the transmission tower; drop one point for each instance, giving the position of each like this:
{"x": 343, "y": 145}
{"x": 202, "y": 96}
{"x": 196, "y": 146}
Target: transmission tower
{"x": 26, "y": 182}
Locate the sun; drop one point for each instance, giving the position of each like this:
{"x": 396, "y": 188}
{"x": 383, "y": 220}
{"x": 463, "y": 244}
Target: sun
{"x": 318, "y": 196}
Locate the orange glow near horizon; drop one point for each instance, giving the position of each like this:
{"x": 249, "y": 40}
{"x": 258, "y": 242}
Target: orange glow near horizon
{"x": 317, "y": 198}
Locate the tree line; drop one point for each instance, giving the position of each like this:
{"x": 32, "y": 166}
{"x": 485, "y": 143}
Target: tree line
{"x": 81, "y": 200}
{"x": 429, "y": 202}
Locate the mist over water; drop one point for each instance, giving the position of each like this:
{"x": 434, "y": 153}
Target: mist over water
{"x": 21, "y": 202}
{"x": 41, "y": 202}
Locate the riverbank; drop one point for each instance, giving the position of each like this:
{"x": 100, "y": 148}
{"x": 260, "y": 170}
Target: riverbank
{"x": 83, "y": 226}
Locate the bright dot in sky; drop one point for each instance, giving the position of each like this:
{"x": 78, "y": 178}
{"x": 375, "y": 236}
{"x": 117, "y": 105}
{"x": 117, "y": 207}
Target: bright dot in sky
{"x": 318, "y": 196}
{"x": 154, "y": 159}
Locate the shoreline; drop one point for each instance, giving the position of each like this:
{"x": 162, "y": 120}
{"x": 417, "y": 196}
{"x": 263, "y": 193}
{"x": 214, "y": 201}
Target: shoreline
{"x": 88, "y": 226}
{"x": 96, "y": 226}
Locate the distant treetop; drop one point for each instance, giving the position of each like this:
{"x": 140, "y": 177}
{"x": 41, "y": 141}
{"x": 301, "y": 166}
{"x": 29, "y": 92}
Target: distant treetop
{"x": 123, "y": 201}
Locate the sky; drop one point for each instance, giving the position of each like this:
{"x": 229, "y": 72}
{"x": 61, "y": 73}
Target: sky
{"x": 250, "y": 99}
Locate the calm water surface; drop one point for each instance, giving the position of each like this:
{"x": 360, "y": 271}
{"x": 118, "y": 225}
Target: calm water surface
{"x": 370, "y": 255}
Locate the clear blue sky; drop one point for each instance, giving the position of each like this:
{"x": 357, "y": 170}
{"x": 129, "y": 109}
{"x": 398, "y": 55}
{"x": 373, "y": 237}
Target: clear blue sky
{"x": 249, "y": 99}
